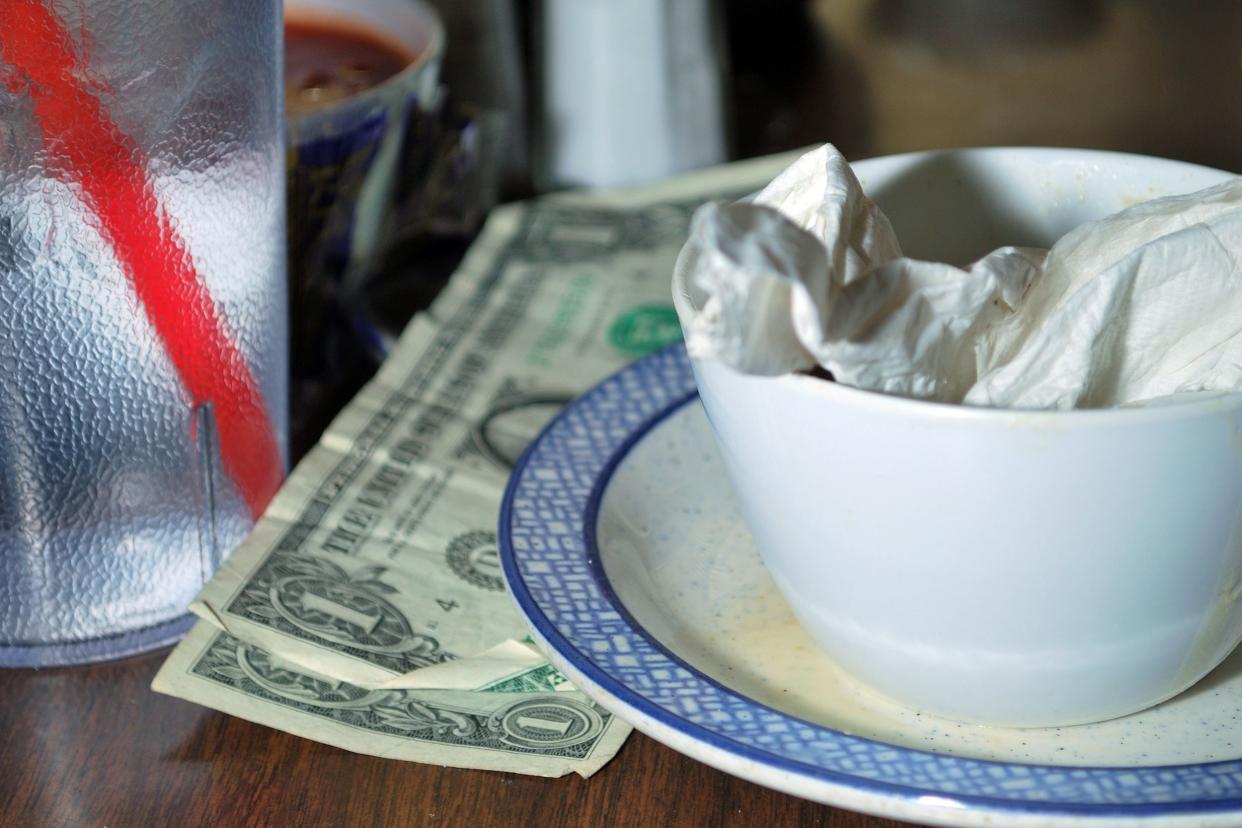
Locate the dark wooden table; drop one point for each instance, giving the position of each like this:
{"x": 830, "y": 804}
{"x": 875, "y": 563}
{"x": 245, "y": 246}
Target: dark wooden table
{"x": 93, "y": 746}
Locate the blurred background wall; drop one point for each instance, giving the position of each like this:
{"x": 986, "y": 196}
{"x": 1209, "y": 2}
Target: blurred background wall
{"x": 872, "y": 76}
{"x": 881, "y": 76}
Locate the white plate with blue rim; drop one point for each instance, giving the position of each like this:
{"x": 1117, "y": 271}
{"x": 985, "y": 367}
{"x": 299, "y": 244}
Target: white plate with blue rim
{"x": 623, "y": 547}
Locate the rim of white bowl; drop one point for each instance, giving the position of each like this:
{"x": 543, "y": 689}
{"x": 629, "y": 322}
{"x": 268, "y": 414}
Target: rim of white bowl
{"x": 927, "y": 410}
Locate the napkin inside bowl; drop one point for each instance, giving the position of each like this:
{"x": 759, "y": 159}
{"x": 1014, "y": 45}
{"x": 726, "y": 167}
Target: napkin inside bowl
{"x": 1141, "y": 305}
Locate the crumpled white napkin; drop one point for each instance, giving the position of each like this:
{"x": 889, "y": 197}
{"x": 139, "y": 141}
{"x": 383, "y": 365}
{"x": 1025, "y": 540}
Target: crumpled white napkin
{"x": 1143, "y": 304}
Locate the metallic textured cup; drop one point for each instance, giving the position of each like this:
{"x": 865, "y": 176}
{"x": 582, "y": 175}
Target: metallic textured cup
{"x": 142, "y": 312}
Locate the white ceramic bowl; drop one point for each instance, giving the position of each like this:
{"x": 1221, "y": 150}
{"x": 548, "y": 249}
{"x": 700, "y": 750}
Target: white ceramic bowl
{"x": 995, "y": 566}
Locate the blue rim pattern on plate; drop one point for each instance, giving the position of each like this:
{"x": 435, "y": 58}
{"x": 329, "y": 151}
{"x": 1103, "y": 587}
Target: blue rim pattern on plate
{"x": 548, "y": 551}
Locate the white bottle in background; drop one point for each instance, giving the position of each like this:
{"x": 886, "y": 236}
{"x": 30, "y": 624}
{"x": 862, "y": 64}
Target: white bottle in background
{"x": 631, "y": 90}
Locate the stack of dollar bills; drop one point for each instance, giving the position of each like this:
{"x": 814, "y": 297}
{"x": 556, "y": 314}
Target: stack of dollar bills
{"x": 367, "y": 610}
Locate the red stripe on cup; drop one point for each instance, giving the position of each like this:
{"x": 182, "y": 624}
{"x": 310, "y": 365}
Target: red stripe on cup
{"x": 111, "y": 175}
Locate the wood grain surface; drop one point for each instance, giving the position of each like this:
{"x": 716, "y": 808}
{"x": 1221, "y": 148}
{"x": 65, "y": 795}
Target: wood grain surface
{"x": 93, "y": 746}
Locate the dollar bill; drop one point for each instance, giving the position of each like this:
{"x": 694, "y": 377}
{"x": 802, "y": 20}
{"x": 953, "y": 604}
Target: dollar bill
{"x": 376, "y": 565}
{"x": 522, "y": 725}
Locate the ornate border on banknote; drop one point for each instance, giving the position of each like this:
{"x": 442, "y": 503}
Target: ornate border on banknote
{"x": 294, "y": 592}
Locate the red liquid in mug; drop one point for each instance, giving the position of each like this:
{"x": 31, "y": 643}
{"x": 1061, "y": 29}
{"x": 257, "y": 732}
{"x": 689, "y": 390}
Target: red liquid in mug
{"x": 328, "y": 58}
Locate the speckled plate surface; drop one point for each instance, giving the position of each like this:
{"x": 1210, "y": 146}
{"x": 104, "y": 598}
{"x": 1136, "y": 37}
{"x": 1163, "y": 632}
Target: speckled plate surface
{"x": 623, "y": 548}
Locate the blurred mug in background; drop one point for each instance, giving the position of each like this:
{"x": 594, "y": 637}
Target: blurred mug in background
{"x": 361, "y": 84}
